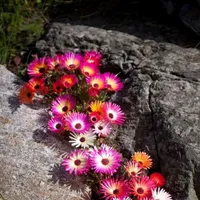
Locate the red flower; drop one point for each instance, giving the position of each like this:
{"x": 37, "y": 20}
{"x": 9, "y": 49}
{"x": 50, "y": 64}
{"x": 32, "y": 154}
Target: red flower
{"x": 94, "y": 117}
{"x": 158, "y": 178}
{"x": 92, "y": 92}
{"x": 58, "y": 86}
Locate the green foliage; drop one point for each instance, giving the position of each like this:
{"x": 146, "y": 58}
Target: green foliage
{"x": 21, "y": 23}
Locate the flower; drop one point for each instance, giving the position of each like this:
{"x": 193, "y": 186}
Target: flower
{"x": 114, "y": 189}
{"x": 56, "y": 124}
{"x": 89, "y": 69}
{"x": 113, "y": 82}
{"x": 133, "y": 169}
{"x": 105, "y": 160}
{"x": 113, "y": 113}
{"x": 93, "y": 57}
{"x": 160, "y": 194}
{"x": 158, "y": 178}
{"x": 92, "y": 92}
{"x": 126, "y": 198}
{"x": 78, "y": 122}
{"x": 143, "y": 159}
{"x": 102, "y": 128}
{"x": 58, "y": 86}
{"x": 94, "y": 117}
{"x": 37, "y": 84}
{"x": 77, "y": 162}
{"x": 68, "y": 80}
{"x": 63, "y": 104}
{"x": 26, "y": 94}
{"x": 82, "y": 140}
{"x": 37, "y": 68}
{"x": 54, "y": 63}
{"x": 96, "y": 106}
{"x": 141, "y": 187}
{"x": 97, "y": 81}
{"x": 71, "y": 61}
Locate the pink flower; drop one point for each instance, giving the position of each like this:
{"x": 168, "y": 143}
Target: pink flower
{"x": 37, "y": 68}
{"x": 71, "y": 61}
{"x": 113, "y": 82}
{"x": 78, "y": 122}
{"x": 63, "y": 104}
{"x": 56, "y": 125}
{"x": 141, "y": 187}
{"x": 54, "y": 63}
{"x": 97, "y": 82}
{"x": 77, "y": 162}
{"x": 93, "y": 57}
{"x": 114, "y": 188}
{"x": 89, "y": 69}
{"x": 105, "y": 160}
{"x": 134, "y": 169}
{"x": 113, "y": 113}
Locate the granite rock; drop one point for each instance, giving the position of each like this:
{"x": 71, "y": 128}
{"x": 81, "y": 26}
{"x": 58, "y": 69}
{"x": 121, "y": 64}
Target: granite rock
{"x": 30, "y": 156}
{"x": 160, "y": 98}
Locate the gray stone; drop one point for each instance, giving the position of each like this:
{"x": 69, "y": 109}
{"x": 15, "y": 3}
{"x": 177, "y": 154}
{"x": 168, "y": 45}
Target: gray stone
{"x": 160, "y": 98}
{"x": 30, "y": 156}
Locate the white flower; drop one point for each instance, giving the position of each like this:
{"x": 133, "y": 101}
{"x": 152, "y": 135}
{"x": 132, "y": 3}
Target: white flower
{"x": 102, "y": 128}
{"x": 160, "y": 194}
{"x": 82, "y": 140}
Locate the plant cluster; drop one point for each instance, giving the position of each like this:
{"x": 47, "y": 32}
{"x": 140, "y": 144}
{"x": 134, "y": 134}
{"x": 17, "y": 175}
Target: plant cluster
{"x": 77, "y": 91}
{"x": 21, "y": 23}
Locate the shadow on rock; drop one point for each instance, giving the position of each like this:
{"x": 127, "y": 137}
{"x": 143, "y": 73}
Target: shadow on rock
{"x": 60, "y": 176}
{"x": 43, "y": 118}
{"x": 57, "y": 143}
{"x": 14, "y": 103}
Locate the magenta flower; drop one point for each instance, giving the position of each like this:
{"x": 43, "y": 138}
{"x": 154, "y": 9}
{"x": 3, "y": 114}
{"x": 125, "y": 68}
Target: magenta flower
{"x": 114, "y": 189}
{"x": 113, "y": 113}
{"x": 78, "y": 122}
{"x": 105, "y": 160}
{"x": 77, "y": 162}
{"x": 54, "y": 63}
{"x": 56, "y": 124}
{"x": 71, "y": 61}
{"x": 89, "y": 69}
{"x": 134, "y": 169}
{"x": 113, "y": 82}
{"x": 63, "y": 104}
{"x": 97, "y": 81}
{"x": 37, "y": 68}
{"x": 93, "y": 57}
{"x": 141, "y": 187}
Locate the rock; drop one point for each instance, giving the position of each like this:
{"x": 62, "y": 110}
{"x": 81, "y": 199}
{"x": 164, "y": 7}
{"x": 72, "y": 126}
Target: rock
{"x": 30, "y": 156}
{"x": 160, "y": 98}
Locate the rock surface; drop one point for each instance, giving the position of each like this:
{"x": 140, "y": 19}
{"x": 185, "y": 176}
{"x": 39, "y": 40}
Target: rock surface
{"x": 30, "y": 156}
{"x": 161, "y": 98}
